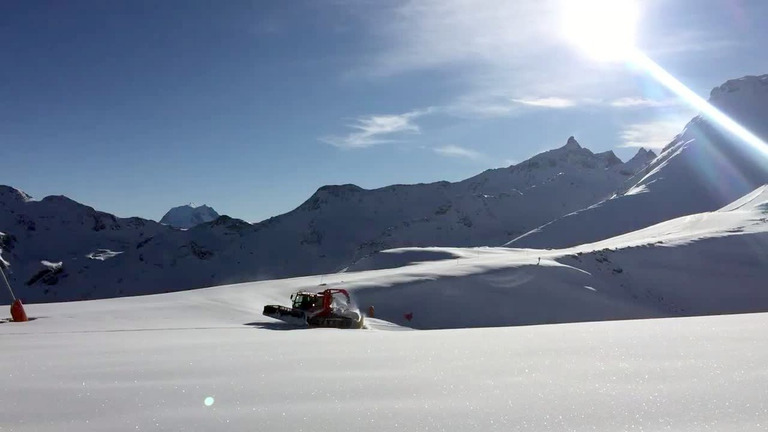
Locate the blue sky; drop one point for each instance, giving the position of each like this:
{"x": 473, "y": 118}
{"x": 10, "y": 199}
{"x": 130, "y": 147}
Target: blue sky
{"x": 133, "y": 107}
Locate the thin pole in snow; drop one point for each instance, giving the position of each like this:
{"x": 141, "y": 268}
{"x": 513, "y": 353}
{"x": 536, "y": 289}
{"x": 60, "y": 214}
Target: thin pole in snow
{"x": 7, "y": 284}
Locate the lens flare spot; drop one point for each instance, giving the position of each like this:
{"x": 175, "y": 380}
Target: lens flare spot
{"x": 208, "y": 401}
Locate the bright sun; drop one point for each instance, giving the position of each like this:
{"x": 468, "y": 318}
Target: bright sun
{"x": 604, "y": 29}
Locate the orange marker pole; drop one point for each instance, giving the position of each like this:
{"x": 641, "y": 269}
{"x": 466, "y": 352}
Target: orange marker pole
{"x": 17, "y": 312}
{"x": 17, "y": 309}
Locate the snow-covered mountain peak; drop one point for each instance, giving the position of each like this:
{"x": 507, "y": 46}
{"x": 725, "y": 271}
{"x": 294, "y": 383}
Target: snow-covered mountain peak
{"x": 641, "y": 159}
{"x": 572, "y": 144}
{"x": 571, "y": 154}
{"x": 61, "y": 201}
{"x": 226, "y": 223}
{"x": 739, "y": 88}
{"x": 643, "y": 154}
{"x": 333, "y": 192}
{"x": 10, "y": 194}
{"x": 746, "y": 100}
{"x": 610, "y": 158}
{"x": 187, "y": 216}
{"x": 338, "y": 190}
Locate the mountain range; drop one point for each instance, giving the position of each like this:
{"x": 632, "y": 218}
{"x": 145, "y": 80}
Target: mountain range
{"x": 63, "y": 250}
{"x": 105, "y": 256}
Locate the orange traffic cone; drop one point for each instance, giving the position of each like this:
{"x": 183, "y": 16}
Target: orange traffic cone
{"x": 17, "y": 311}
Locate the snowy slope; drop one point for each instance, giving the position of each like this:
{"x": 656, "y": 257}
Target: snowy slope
{"x": 337, "y": 226}
{"x": 673, "y": 374}
{"x": 207, "y": 360}
{"x": 707, "y": 263}
{"x": 700, "y": 170}
{"x": 187, "y": 216}
{"x": 700, "y": 264}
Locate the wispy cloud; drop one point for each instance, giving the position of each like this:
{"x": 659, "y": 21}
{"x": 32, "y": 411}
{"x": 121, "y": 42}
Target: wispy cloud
{"x": 652, "y": 135}
{"x": 621, "y": 102}
{"x": 459, "y": 152}
{"x": 485, "y": 107}
{"x": 371, "y": 130}
{"x": 547, "y": 102}
{"x": 638, "y": 102}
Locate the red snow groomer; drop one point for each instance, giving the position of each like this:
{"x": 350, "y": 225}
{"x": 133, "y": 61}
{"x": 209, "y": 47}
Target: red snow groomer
{"x": 330, "y": 308}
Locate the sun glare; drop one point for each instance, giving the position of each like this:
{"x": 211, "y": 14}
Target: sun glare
{"x": 604, "y": 29}
{"x": 697, "y": 102}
